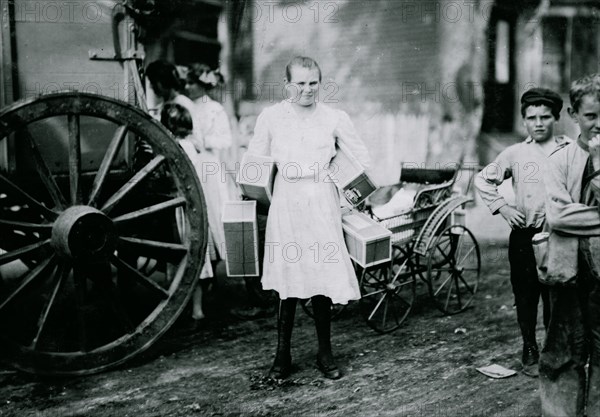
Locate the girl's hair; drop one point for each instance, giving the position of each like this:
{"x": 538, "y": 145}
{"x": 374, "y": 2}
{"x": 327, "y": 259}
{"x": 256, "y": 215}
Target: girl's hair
{"x": 177, "y": 119}
{"x": 301, "y": 61}
{"x": 201, "y": 74}
{"x": 588, "y": 85}
{"x": 165, "y": 73}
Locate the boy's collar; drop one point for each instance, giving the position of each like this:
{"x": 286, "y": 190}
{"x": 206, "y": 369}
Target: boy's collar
{"x": 558, "y": 139}
{"x": 583, "y": 145}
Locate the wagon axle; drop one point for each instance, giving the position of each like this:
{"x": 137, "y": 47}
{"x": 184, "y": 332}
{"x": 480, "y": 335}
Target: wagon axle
{"x": 83, "y": 233}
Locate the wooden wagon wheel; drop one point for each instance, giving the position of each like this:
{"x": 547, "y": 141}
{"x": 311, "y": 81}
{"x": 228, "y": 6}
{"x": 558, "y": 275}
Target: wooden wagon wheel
{"x": 388, "y": 293}
{"x": 453, "y": 268}
{"x": 80, "y": 297}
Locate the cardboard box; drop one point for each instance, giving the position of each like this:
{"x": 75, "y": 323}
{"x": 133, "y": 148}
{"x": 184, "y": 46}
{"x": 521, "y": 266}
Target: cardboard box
{"x": 368, "y": 242}
{"x": 256, "y": 176}
{"x": 241, "y": 238}
{"x": 350, "y": 176}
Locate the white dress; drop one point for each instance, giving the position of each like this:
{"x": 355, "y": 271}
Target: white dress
{"x": 305, "y": 253}
{"x": 212, "y": 125}
{"x": 188, "y": 147}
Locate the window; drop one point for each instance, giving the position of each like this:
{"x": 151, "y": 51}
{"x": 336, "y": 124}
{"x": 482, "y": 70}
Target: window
{"x": 502, "y": 64}
{"x": 570, "y": 49}
{"x": 554, "y": 35}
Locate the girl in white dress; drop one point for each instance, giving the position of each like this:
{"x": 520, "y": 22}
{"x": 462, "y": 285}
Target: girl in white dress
{"x": 305, "y": 254}
{"x": 212, "y": 125}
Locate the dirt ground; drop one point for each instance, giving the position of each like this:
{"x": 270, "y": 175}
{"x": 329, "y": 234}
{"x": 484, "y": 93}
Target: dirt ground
{"x": 425, "y": 368}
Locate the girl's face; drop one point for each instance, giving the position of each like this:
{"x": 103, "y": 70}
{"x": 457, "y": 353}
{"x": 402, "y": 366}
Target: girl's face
{"x": 193, "y": 90}
{"x": 303, "y": 87}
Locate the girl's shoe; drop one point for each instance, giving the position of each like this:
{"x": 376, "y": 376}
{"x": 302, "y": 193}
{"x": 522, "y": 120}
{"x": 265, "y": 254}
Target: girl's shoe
{"x": 328, "y": 367}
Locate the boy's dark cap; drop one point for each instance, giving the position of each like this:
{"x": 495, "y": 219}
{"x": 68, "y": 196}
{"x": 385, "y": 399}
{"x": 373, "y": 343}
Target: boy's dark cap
{"x": 542, "y": 96}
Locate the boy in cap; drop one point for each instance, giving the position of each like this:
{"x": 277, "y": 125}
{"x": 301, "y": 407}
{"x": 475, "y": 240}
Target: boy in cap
{"x": 522, "y": 163}
{"x": 572, "y": 181}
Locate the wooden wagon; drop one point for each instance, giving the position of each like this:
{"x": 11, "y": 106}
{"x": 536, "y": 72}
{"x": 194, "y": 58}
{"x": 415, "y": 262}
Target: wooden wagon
{"x": 93, "y": 268}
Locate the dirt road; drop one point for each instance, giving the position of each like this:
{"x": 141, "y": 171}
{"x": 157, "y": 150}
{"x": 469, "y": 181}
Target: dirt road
{"x": 426, "y": 368}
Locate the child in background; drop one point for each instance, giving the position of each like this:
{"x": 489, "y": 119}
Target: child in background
{"x": 178, "y": 120}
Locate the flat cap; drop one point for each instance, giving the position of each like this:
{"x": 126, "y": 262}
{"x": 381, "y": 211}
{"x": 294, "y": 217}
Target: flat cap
{"x": 542, "y": 96}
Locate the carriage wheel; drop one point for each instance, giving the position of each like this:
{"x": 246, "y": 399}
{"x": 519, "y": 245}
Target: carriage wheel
{"x": 80, "y": 295}
{"x": 388, "y": 294}
{"x": 453, "y": 267}
{"x": 336, "y": 309}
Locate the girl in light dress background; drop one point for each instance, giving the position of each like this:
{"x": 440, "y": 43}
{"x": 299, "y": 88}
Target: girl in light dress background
{"x": 210, "y": 132}
{"x": 214, "y": 128}
{"x": 305, "y": 254}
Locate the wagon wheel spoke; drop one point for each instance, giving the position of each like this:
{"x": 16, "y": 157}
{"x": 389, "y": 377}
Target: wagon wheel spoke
{"x": 458, "y": 296}
{"x": 455, "y": 292}
{"x": 132, "y": 183}
{"x": 102, "y": 277}
{"x": 21, "y": 252}
{"x": 137, "y": 276}
{"x": 374, "y": 283}
{"x": 156, "y": 208}
{"x": 25, "y": 226}
{"x": 27, "y": 280}
{"x": 443, "y": 284}
{"x": 465, "y": 283}
{"x": 466, "y": 255}
{"x": 80, "y": 284}
{"x": 45, "y": 211}
{"x": 377, "y": 306}
{"x": 441, "y": 254}
{"x": 45, "y": 173}
{"x": 387, "y": 304}
{"x": 153, "y": 249}
{"x": 61, "y": 273}
{"x": 458, "y": 247}
{"x": 385, "y": 313}
{"x": 107, "y": 160}
{"x": 449, "y": 293}
{"x": 370, "y": 294}
{"x": 74, "y": 158}
{"x": 405, "y": 284}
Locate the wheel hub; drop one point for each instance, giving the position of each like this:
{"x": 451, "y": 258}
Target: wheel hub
{"x": 82, "y": 233}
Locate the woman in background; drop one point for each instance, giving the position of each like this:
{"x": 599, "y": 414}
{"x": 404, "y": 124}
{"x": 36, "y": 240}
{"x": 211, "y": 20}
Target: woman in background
{"x": 213, "y": 127}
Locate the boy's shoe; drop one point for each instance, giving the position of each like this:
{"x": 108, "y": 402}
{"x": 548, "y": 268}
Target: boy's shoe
{"x": 530, "y": 359}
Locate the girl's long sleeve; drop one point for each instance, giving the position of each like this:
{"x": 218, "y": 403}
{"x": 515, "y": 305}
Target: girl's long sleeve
{"x": 346, "y": 133}
{"x": 260, "y": 144}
